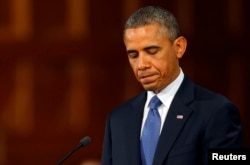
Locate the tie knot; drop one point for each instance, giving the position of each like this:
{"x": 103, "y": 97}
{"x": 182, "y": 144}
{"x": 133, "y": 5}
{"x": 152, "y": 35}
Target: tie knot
{"x": 155, "y": 102}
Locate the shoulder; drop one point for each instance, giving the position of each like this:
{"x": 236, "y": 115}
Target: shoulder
{"x": 201, "y": 98}
{"x": 213, "y": 105}
{"x": 210, "y": 97}
{"x": 130, "y": 104}
{"x": 202, "y": 93}
{"x": 209, "y": 107}
{"x": 196, "y": 92}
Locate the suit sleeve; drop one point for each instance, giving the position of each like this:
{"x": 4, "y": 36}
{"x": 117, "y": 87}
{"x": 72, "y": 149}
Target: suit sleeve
{"x": 223, "y": 129}
{"x": 107, "y": 145}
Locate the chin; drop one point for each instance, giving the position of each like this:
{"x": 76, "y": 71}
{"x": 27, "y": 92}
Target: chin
{"x": 152, "y": 87}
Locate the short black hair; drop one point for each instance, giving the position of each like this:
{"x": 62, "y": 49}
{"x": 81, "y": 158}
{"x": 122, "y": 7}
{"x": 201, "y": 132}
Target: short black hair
{"x": 154, "y": 14}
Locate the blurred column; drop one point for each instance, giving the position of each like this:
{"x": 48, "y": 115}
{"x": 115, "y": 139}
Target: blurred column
{"x": 237, "y": 83}
{"x": 185, "y": 16}
{"x": 186, "y": 19}
{"x": 18, "y": 23}
{"x": 78, "y": 96}
{"x": 21, "y": 19}
{"x": 2, "y": 145}
{"x": 235, "y": 18}
{"x": 130, "y": 6}
{"x": 238, "y": 67}
{"x": 18, "y": 114}
{"x": 77, "y": 18}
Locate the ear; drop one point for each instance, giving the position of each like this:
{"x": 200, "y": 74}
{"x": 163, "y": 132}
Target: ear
{"x": 180, "y": 46}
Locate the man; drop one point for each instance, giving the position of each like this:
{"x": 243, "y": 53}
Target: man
{"x": 183, "y": 120}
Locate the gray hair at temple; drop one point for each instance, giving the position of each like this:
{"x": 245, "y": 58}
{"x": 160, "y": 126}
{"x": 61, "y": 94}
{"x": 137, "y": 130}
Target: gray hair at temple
{"x": 154, "y": 14}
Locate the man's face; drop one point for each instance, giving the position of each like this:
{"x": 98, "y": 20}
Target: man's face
{"x": 153, "y": 58}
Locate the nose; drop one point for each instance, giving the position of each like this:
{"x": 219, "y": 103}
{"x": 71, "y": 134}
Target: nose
{"x": 143, "y": 63}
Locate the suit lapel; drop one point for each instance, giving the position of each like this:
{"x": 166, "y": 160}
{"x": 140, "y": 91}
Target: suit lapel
{"x": 137, "y": 107}
{"x": 176, "y": 118}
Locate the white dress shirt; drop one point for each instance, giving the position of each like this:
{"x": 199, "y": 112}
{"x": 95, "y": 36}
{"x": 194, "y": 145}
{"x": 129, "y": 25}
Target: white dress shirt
{"x": 166, "y": 96}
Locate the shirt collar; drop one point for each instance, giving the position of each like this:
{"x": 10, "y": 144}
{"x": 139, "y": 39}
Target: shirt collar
{"x": 169, "y": 91}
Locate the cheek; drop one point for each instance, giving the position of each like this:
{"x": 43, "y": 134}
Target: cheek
{"x": 160, "y": 66}
{"x": 134, "y": 68}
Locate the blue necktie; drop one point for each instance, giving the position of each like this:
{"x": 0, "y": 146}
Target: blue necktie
{"x": 151, "y": 132}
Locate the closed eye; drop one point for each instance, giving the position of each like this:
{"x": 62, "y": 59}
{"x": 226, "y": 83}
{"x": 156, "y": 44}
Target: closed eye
{"x": 152, "y": 50}
{"x": 132, "y": 54}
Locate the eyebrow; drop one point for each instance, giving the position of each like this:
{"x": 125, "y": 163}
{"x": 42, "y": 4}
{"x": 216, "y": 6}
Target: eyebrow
{"x": 145, "y": 49}
{"x": 151, "y": 47}
{"x": 131, "y": 51}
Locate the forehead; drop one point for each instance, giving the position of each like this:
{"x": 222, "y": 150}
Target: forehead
{"x": 152, "y": 30}
{"x": 148, "y": 34}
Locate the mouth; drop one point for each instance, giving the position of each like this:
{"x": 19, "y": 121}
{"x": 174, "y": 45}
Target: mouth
{"x": 146, "y": 79}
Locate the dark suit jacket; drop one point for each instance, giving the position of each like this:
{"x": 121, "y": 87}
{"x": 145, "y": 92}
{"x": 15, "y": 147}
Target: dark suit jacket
{"x": 209, "y": 121}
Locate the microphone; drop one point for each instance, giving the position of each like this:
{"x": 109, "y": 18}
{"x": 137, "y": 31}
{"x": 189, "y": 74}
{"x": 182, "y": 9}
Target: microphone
{"x": 83, "y": 142}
